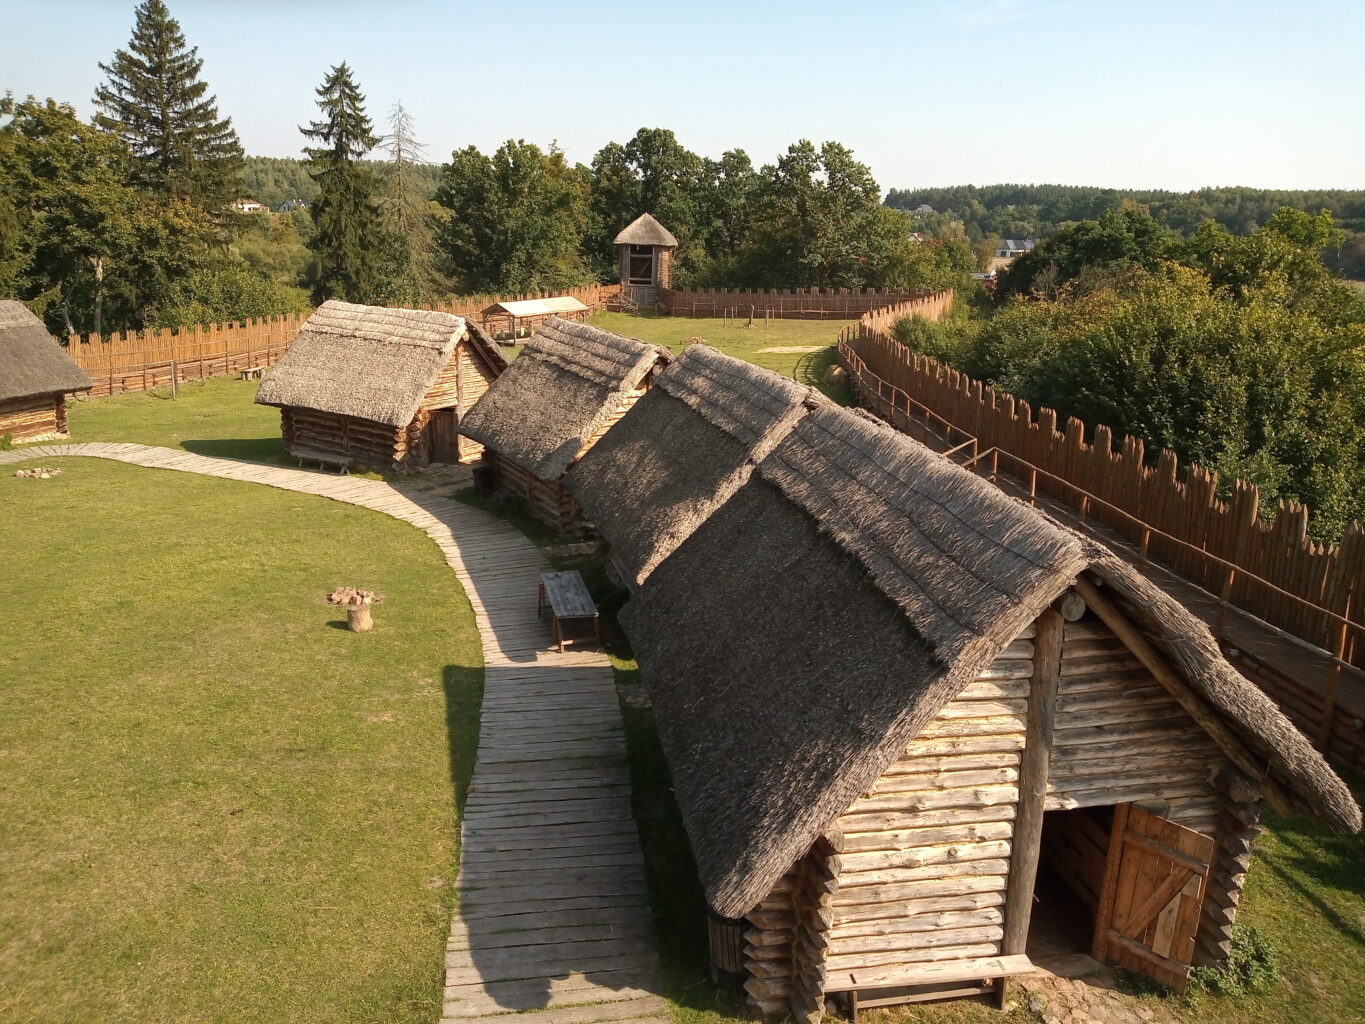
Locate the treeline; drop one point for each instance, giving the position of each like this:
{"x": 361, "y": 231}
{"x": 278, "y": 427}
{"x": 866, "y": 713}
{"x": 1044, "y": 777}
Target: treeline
{"x": 274, "y": 180}
{"x": 1238, "y": 351}
{"x": 1038, "y": 211}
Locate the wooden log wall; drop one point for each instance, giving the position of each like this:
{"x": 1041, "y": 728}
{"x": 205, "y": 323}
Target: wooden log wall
{"x": 786, "y": 943}
{"x": 35, "y": 416}
{"x": 798, "y": 303}
{"x": 1120, "y": 737}
{"x": 926, "y": 851}
{"x": 548, "y": 502}
{"x": 370, "y": 444}
{"x": 1155, "y": 492}
{"x": 475, "y": 377}
{"x": 1238, "y": 826}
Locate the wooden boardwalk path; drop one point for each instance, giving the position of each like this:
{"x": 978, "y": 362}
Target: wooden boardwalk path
{"x": 552, "y": 913}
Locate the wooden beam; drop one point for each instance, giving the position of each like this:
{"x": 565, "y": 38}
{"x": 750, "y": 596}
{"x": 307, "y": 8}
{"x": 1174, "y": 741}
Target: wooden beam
{"x": 1194, "y": 705}
{"x": 1033, "y": 776}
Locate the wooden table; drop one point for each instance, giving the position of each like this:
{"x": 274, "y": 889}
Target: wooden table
{"x": 341, "y": 462}
{"x": 249, "y": 373}
{"x": 567, "y": 597}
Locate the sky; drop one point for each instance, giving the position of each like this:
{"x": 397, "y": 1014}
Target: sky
{"x": 1115, "y": 93}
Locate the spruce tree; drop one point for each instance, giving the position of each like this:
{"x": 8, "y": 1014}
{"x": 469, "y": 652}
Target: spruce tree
{"x": 406, "y": 218}
{"x": 155, "y": 102}
{"x": 347, "y": 243}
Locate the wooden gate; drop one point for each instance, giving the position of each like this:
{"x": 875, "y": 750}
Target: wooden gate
{"x": 1153, "y": 890}
{"x": 443, "y": 436}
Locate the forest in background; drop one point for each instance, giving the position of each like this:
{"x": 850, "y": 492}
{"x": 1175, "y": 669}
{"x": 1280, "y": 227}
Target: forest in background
{"x": 1241, "y": 352}
{"x": 991, "y": 212}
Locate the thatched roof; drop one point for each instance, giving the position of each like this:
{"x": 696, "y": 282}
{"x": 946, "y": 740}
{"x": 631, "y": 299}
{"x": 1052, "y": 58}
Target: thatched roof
{"x": 569, "y": 379}
{"x": 369, "y": 362}
{"x": 31, "y": 360}
{"x": 817, "y": 621}
{"x": 537, "y": 307}
{"x": 645, "y": 230}
{"x": 681, "y": 452}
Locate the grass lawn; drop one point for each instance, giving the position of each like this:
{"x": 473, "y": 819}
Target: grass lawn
{"x": 217, "y": 416}
{"x": 216, "y": 805}
{"x": 746, "y": 343}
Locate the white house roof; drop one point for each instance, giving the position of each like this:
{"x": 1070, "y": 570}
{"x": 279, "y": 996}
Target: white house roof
{"x": 539, "y": 307}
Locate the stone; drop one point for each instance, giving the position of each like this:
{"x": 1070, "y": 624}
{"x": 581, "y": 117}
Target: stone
{"x": 835, "y": 374}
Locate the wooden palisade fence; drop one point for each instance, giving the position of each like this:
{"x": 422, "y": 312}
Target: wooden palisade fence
{"x": 1270, "y": 569}
{"x": 142, "y": 360}
{"x": 796, "y": 303}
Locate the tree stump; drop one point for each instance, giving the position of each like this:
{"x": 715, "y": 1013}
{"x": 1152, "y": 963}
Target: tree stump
{"x": 357, "y": 604}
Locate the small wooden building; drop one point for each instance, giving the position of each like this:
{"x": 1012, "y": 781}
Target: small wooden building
{"x": 646, "y": 251}
{"x": 680, "y": 453}
{"x": 383, "y": 388}
{"x": 921, "y": 735}
{"x": 36, "y": 375}
{"x": 557, "y": 399}
{"x": 515, "y": 317}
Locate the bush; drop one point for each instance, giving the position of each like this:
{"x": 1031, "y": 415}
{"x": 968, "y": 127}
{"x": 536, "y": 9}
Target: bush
{"x": 1253, "y": 966}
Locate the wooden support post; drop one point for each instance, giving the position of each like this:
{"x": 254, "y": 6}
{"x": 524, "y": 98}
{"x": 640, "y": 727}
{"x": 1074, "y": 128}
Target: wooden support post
{"x": 1033, "y": 776}
{"x": 1193, "y": 704}
{"x": 1329, "y": 696}
{"x": 1220, "y": 619}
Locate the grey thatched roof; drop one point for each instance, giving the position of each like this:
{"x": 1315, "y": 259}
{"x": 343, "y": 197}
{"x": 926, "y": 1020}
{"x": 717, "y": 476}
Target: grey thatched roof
{"x": 817, "y": 621}
{"x": 369, "y": 362}
{"x": 31, "y": 360}
{"x": 645, "y": 230}
{"x": 681, "y": 452}
{"x": 569, "y": 379}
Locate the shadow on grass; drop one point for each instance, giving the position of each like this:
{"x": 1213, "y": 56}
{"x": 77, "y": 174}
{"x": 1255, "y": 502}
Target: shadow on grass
{"x": 463, "y": 689}
{"x": 251, "y": 449}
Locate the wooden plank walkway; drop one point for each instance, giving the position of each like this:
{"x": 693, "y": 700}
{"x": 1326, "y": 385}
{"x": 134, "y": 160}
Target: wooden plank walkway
{"x": 553, "y": 914}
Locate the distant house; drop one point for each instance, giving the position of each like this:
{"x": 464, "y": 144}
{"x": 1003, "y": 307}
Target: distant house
{"x": 1010, "y": 248}
{"x": 917, "y": 236}
{"x": 923, "y": 208}
{"x": 379, "y": 387}
{"x": 685, "y": 448}
{"x": 36, "y": 375}
{"x": 249, "y": 206}
{"x": 570, "y": 384}
{"x": 290, "y": 205}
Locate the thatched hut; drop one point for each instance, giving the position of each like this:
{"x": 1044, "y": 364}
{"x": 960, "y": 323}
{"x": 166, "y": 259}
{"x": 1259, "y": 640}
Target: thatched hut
{"x": 570, "y": 384}
{"x": 645, "y": 248}
{"x": 920, "y": 735}
{"x": 681, "y": 452}
{"x": 36, "y": 375}
{"x": 378, "y": 387}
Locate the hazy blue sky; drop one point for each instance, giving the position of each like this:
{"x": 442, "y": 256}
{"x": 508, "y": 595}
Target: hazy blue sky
{"x": 928, "y": 92}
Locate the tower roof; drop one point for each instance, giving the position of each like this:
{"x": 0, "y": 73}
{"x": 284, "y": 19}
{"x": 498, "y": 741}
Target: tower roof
{"x": 645, "y": 230}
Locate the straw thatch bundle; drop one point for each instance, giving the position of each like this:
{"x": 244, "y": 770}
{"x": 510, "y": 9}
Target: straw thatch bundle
{"x": 681, "y": 452}
{"x": 888, "y": 579}
{"x": 369, "y": 362}
{"x": 31, "y": 360}
{"x": 568, "y": 381}
{"x": 645, "y": 230}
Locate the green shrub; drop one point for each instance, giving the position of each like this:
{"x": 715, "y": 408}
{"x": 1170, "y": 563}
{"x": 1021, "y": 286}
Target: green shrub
{"x": 6, "y": 442}
{"x": 1253, "y": 966}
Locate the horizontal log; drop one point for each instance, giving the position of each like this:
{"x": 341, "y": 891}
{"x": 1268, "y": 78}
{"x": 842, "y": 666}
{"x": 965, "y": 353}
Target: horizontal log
{"x": 926, "y": 922}
{"x": 912, "y": 884}
{"x": 939, "y": 894}
{"x": 952, "y": 945}
{"x": 892, "y": 843}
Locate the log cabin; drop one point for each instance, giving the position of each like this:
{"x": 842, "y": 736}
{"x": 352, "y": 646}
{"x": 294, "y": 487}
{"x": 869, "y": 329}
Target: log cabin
{"x": 958, "y": 739}
{"x": 381, "y": 388}
{"x": 679, "y": 454}
{"x": 568, "y": 387}
{"x": 36, "y": 375}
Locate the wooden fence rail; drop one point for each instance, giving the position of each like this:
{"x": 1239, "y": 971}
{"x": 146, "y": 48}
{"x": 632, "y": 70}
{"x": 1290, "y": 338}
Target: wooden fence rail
{"x": 142, "y": 360}
{"x": 1311, "y": 588}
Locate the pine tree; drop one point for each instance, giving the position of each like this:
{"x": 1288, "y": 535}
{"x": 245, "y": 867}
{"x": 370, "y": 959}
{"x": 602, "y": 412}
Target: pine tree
{"x": 155, "y": 102}
{"x": 347, "y": 242}
{"x": 405, "y": 215}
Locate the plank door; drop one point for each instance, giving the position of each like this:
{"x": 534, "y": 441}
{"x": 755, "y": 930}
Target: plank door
{"x": 443, "y": 437}
{"x": 1155, "y": 875}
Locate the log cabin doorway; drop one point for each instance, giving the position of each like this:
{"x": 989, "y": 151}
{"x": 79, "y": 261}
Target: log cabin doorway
{"x": 1122, "y": 885}
{"x": 443, "y": 436}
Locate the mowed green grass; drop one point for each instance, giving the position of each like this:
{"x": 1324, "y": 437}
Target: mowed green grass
{"x": 747, "y": 343}
{"x": 216, "y": 805}
{"x": 217, "y": 416}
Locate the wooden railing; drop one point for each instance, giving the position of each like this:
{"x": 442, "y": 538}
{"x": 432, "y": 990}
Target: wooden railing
{"x": 1315, "y": 709}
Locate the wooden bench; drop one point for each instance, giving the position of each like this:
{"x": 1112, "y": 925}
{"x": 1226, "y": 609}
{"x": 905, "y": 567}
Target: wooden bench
{"x": 566, "y": 596}
{"x": 925, "y": 982}
{"x": 250, "y": 373}
{"x": 323, "y": 459}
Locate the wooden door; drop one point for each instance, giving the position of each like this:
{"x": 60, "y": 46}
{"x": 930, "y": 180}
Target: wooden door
{"x": 443, "y": 437}
{"x": 1153, "y": 891}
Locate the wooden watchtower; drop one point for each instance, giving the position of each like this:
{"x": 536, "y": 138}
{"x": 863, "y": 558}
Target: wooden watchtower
{"x": 646, "y": 250}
